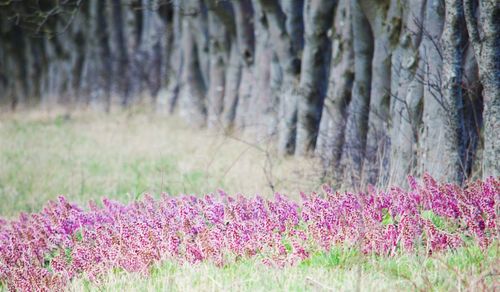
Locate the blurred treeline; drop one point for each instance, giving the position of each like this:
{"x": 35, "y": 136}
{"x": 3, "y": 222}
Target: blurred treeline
{"x": 377, "y": 89}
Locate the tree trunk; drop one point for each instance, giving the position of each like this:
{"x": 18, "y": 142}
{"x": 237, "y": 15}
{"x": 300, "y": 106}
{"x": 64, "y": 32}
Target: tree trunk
{"x": 331, "y": 130}
{"x": 52, "y": 81}
{"x": 248, "y": 23}
{"x": 289, "y": 62}
{"x": 233, "y": 77}
{"x": 432, "y": 139}
{"x": 453, "y": 45}
{"x": 176, "y": 64}
{"x": 219, "y": 55}
{"x": 151, "y": 47}
{"x": 385, "y": 23}
{"x": 192, "y": 105}
{"x": 199, "y": 29}
{"x": 104, "y": 54}
{"x": 121, "y": 58}
{"x": 486, "y": 49}
{"x": 241, "y": 62}
{"x": 356, "y": 125}
{"x": 255, "y": 94}
{"x": 77, "y": 53}
{"x": 407, "y": 94}
{"x": 294, "y": 23}
{"x": 318, "y": 19}
{"x": 20, "y": 78}
{"x": 473, "y": 107}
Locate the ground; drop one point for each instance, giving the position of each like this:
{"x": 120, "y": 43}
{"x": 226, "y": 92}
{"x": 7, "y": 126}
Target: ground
{"x": 86, "y": 156}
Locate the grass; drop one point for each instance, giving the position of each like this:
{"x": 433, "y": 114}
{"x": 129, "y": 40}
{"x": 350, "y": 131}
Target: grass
{"x": 339, "y": 270}
{"x": 121, "y": 156}
{"x": 89, "y": 155}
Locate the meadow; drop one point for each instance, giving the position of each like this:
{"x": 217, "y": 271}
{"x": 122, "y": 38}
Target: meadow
{"x": 140, "y": 159}
{"x": 87, "y": 155}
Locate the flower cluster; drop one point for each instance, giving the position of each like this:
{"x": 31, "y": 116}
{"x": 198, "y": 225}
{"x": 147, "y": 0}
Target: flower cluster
{"x": 44, "y": 251}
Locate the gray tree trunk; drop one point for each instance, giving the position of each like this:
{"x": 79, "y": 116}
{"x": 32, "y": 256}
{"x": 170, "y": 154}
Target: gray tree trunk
{"x": 192, "y": 105}
{"x": 318, "y": 20}
{"x": 77, "y": 57}
{"x": 151, "y": 48}
{"x": 255, "y": 90}
{"x": 385, "y": 23}
{"x": 104, "y": 54}
{"x": 331, "y": 131}
{"x": 199, "y": 28}
{"x": 176, "y": 63}
{"x": 240, "y": 61}
{"x": 218, "y": 63}
{"x": 247, "y": 18}
{"x": 473, "y": 106}
{"x": 233, "y": 77}
{"x": 289, "y": 62}
{"x": 453, "y": 40}
{"x": 220, "y": 26}
{"x": 407, "y": 94}
{"x": 487, "y": 47}
{"x": 357, "y": 119}
{"x": 433, "y": 138}
{"x": 121, "y": 56}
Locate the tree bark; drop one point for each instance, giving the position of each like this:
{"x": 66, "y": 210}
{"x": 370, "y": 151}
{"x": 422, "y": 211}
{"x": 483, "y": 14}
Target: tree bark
{"x": 104, "y": 54}
{"x": 219, "y": 25}
{"x": 233, "y": 77}
{"x": 151, "y": 48}
{"x": 486, "y": 47}
{"x": 255, "y": 95}
{"x": 385, "y": 23}
{"x": 289, "y": 62}
{"x": 453, "y": 45}
{"x": 356, "y": 125}
{"x": 433, "y": 138}
{"x": 241, "y": 61}
{"x": 406, "y": 94}
{"x": 318, "y": 19}
{"x": 331, "y": 131}
{"x": 199, "y": 28}
{"x": 176, "y": 64}
{"x": 473, "y": 111}
{"x": 192, "y": 105}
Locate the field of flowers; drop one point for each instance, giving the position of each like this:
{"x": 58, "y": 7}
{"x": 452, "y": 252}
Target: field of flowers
{"x": 47, "y": 250}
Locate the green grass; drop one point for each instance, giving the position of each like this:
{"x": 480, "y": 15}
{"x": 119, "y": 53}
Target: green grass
{"x": 121, "y": 156}
{"x": 89, "y": 156}
{"x": 41, "y": 160}
{"x": 341, "y": 269}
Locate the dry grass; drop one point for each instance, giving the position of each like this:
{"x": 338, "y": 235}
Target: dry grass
{"x": 87, "y": 155}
